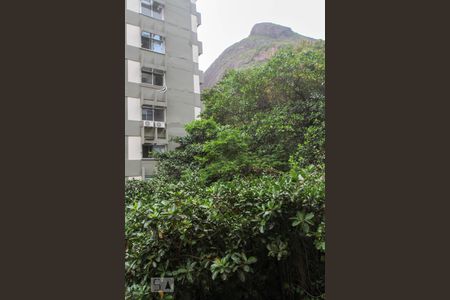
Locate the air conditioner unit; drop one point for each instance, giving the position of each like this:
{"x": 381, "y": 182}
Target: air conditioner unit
{"x": 160, "y": 125}
{"x": 149, "y": 124}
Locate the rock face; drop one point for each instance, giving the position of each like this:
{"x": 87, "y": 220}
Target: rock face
{"x": 271, "y": 30}
{"x": 264, "y": 41}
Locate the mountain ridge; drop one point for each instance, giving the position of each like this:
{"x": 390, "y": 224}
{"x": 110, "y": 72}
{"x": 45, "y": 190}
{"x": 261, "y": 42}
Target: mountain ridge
{"x": 263, "y": 42}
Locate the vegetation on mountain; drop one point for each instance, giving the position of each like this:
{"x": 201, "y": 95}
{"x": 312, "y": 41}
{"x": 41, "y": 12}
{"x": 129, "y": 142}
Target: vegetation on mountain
{"x": 264, "y": 41}
{"x": 237, "y": 210}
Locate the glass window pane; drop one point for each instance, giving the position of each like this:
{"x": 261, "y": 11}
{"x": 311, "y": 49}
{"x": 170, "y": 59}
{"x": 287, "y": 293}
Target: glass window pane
{"x": 147, "y": 77}
{"x": 146, "y": 150}
{"x": 158, "y": 46}
{"x": 147, "y": 114}
{"x": 145, "y": 42}
{"x": 158, "y": 79}
{"x": 158, "y": 10}
{"x": 159, "y": 115}
{"x": 159, "y": 148}
{"x": 161, "y": 132}
{"x": 156, "y": 37}
{"x": 146, "y": 9}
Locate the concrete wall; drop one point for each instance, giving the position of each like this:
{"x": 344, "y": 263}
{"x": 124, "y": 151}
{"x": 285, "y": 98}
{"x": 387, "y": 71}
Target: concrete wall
{"x": 182, "y": 76}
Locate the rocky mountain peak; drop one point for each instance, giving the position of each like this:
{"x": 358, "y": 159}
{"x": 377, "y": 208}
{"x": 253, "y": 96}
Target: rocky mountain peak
{"x": 271, "y": 30}
{"x": 264, "y": 41}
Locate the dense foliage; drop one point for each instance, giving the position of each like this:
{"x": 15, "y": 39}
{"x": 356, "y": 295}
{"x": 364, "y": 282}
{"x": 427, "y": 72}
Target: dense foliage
{"x": 237, "y": 211}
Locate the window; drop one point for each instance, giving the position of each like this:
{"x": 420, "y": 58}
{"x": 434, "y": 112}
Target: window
{"x": 146, "y": 7}
{"x": 147, "y": 114}
{"x": 151, "y": 8}
{"x": 152, "y": 76}
{"x": 148, "y": 150}
{"x": 153, "y": 114}
{"x": 153, "y": 42}
{"x": 149, "y": 133}
{"x": 145, "y": 40}
{"x": 159, "y": 115}
{"x": 158, "y": 10}
{"x": 159, "y": 148}
{"x": 158, "y": 77}
{"x": 147, "y": 76}
{"x": 161, "y": 133}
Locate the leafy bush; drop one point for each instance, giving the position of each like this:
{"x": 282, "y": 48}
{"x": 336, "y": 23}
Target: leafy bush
{"x": 243, "y": 233}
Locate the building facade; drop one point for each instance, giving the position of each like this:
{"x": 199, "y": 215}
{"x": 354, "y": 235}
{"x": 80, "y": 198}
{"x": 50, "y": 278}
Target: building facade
{"x": 162, "y": 79}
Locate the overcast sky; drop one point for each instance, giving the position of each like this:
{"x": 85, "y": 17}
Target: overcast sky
{"x": 225, "y": 22}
